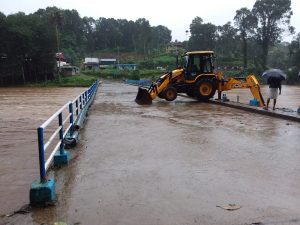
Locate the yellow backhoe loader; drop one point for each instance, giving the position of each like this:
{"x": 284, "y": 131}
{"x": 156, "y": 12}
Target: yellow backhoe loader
{"x": 197, "y": 79}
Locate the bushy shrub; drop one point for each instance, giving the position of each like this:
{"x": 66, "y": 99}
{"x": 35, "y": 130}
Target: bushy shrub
{"x": 135, "y": 75}
{"x": 292, "y": 76}
{"x": 147, "y": 64}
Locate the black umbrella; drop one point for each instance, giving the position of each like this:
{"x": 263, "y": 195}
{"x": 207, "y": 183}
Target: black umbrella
{"x": 274, "y": 73}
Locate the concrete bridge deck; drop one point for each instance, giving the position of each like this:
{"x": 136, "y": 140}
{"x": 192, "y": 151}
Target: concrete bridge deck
{"x": 282, "y": 113}
{"x": 173, "y": 164}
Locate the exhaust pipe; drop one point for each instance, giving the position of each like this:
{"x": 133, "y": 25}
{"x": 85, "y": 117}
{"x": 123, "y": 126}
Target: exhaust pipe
{"x": 143, "y": 97}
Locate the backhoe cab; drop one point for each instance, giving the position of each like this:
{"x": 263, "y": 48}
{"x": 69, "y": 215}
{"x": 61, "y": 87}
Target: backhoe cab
{"x": 197, "y": 79}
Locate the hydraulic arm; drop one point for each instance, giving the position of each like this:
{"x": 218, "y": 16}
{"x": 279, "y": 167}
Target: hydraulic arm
{"x": 240, "y": 82}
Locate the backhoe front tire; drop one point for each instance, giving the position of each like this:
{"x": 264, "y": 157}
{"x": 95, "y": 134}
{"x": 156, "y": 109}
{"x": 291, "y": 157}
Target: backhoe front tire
{"x": 170, "y": 93}
{"x": 205, "y": 89}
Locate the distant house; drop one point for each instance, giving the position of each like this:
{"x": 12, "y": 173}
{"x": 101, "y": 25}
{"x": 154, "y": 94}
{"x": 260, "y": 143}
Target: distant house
{"x": 107, "y": 63}
{"x": 126, "y": 66}
{"x": 91, "y": 63}
{"x": 60, "y": 59}
{"x": 70, "y": 70}
{"x": 175, "y": 47}
{"x": 60, "y": 63}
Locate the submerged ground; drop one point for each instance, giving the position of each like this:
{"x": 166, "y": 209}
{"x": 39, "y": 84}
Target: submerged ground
{"x": 174, "y": 163}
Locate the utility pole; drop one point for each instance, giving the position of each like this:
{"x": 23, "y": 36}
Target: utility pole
{"x": 57, "y": 41}
{"x": 118, "y": 55}
{"x": 186, "y": 33}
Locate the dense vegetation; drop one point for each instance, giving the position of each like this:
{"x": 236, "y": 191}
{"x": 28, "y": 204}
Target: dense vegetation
{"x": 28, "y": 43}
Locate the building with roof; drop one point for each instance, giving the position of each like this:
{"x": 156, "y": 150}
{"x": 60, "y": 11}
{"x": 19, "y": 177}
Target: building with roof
{"x": 107, "y": 63}
{"x": 68, "y": 70}
{"x": 126, "y": 66}
{"x": 91, "y": 63}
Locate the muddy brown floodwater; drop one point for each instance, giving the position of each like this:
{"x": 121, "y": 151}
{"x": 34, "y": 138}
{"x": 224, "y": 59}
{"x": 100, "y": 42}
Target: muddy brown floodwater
{"x": 22, "y": 111}
{"x": 173, "y": 163}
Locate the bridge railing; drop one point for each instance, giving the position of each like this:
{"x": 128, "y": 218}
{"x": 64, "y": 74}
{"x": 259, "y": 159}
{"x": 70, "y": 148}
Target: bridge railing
{"x": 67, "y": 117}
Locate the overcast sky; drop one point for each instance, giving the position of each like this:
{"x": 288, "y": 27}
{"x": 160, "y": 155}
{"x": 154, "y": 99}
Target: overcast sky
{"x": 176, "y": 15}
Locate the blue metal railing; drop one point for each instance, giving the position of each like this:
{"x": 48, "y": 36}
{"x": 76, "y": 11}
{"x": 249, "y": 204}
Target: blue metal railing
{"x": 81, "y": 102}
{"x": 145, "y": 83}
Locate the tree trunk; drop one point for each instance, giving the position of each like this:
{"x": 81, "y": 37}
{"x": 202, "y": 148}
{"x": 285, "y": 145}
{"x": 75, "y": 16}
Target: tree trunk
{"x": 13, "y": 79}
{"x": 57, "y": 39}
{"x": 45, "y": 75}
{"x": 265, "y": 51}
{"x": 23, "y": 74}
{"x": 245, "y": 53}
{"x": 35, "y": 74}
{"x": 134, "y": 44}
{"x": 144, "y": 49}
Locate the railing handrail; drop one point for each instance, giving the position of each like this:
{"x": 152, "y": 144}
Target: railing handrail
{"x": 81, "y": 102}
{"x": 47, "y": 122}
{"x": 79, "y": 95}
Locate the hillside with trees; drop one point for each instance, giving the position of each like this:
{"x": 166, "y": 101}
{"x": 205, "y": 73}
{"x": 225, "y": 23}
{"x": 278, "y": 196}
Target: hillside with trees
{"x": 252, "y": 43}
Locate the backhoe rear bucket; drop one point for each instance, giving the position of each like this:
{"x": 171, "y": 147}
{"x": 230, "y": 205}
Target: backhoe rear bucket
{"x": 143, "y": 97}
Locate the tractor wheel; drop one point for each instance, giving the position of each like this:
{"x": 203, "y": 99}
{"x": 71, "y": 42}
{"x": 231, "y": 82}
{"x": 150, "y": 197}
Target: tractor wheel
{"x": 205, "y": 89}
{"x": 170, "y": 93}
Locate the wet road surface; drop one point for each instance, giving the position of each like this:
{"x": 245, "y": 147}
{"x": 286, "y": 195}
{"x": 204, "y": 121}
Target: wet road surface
{"x": 22, "y": 111}
{"x": 289, "y": 98}
{"x": 173, "y": 162}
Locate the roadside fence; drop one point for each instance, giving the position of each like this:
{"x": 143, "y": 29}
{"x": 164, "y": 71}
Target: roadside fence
{"x": 69, "y": 119}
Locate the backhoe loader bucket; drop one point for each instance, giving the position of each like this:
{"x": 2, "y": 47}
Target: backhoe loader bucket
{"x": 143, "y": 97}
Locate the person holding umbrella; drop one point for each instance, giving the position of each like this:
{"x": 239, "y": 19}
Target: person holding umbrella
{"x": 274, "y": 78}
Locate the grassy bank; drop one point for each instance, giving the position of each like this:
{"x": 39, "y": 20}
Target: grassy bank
{"x": 126, "y": 74}
{"x": 81, "y": 80}
{"x": 87, "y": 78}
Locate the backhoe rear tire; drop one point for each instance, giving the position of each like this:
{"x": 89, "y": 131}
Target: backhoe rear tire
{"x": 170, "y": 93}
{"x": 205, "y": 89}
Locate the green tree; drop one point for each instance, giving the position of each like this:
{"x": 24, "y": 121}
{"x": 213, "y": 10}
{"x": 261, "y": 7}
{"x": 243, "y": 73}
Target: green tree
{"x": 3, "y": 30}
{"x": 245, "y": 22}
{"x": 142, "y": 35}
{"x": 28, "y": 42}
{"x": 203, "y": 35}
{"x": 294, "y": 51}
{"x": 161, "y": 36}
{"x": 56, "y": 18}
{"x": 30, "y": 48}
{"x": 128, "y": 29}
{"x": 294, "y": 59}
{"x": 108, "y": 34}
{"x": 227, "y": 41}
{"x": 20, "y": 43}
{"x": 273, "y": 16}
{"x": 89, "y": 31}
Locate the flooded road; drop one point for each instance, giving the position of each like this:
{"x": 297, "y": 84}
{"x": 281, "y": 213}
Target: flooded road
{"x": 22, "y": 111}
{"x": 173, "y": 163}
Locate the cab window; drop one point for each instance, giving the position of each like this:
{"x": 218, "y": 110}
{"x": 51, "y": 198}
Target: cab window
{"x": 200, "y": 64}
